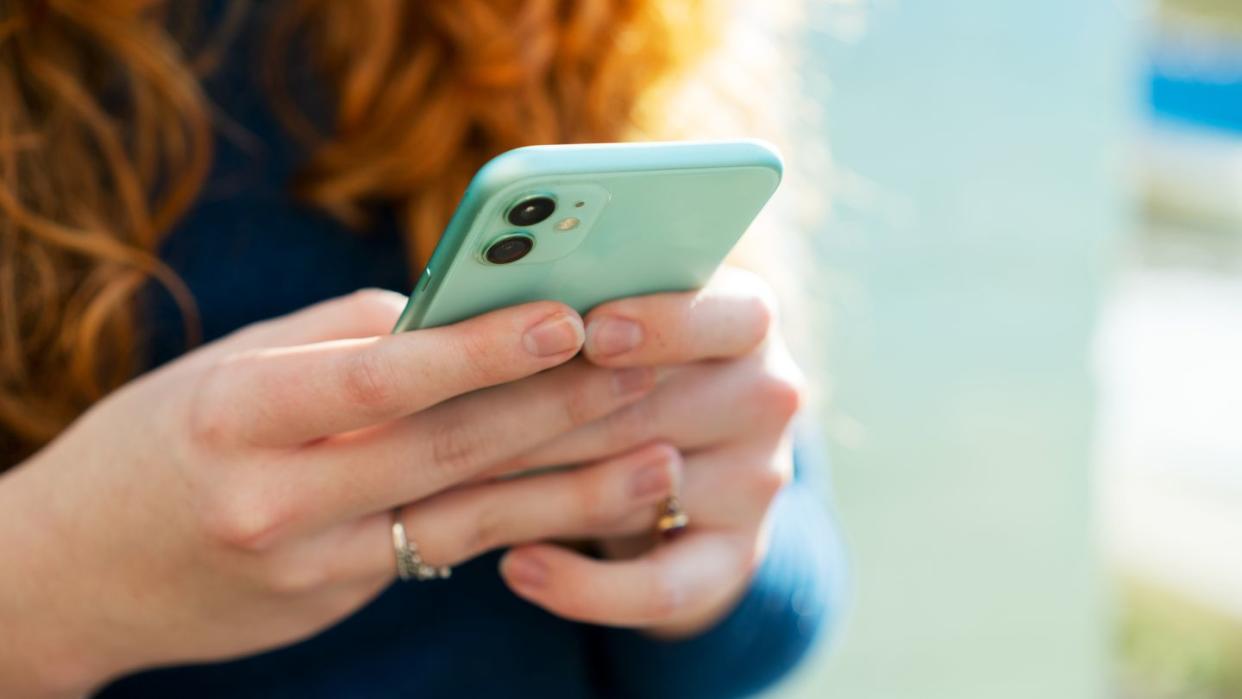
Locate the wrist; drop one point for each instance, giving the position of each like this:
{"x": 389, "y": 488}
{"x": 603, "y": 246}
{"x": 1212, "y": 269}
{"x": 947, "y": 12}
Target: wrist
{"x": 39, "y": 657}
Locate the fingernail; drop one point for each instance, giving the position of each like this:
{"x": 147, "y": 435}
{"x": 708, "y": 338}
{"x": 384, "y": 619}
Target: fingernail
{"x": 627, "y": 382}
{"x": 556, "y": 335}
{"x": 607, "y": 337}
{"x": 525, "y": 571}
{"x": 650, "y": 480}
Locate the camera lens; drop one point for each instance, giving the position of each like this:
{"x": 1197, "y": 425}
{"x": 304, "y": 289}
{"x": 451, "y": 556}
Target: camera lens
{"x": 508, "y": 249}
{"x": 532, "y": 210}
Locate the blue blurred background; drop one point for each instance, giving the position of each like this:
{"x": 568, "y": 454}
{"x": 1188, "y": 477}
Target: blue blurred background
{"x": 1032, "y": 271}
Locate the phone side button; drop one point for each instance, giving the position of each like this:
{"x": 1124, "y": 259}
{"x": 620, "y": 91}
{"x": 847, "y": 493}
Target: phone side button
{"x": 426, "y": 279}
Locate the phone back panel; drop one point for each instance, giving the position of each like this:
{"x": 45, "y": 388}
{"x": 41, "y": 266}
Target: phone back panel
{"x": 652, "y": 217}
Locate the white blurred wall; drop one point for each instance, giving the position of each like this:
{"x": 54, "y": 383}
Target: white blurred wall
{"x": 980, "y": 194}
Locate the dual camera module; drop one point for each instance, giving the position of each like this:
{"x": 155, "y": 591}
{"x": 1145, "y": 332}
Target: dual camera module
{"x": 527, "y": 212}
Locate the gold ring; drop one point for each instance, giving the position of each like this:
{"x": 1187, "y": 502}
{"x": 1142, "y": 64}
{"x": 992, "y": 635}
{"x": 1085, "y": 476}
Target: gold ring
{"x": 673, "y": 520}
{"x": 410, "y": 563}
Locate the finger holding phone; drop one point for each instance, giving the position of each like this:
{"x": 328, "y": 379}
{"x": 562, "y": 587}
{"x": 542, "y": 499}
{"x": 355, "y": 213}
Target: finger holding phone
{"x": 727, "y": 397}
{"x": 242, "y": 497}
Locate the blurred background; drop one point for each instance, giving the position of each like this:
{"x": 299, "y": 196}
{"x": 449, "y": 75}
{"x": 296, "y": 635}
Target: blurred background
{"x": 1032, "y": 265}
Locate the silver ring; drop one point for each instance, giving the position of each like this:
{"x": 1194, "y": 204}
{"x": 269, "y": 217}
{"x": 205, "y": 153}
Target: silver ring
{"x": 410, "y": 564}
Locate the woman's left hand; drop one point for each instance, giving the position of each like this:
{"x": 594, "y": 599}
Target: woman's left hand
{"x": 727, "y": 394}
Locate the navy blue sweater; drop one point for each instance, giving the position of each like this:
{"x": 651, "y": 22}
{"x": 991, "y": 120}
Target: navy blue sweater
{"x": 248, "y": 252}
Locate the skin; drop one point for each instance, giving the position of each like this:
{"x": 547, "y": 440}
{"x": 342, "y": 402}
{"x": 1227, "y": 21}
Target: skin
{"x": 241, "y": 498}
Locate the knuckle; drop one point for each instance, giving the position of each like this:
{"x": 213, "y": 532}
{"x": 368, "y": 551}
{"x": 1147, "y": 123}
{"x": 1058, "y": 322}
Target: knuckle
{"x": 373, "y": 306}
{"x": 781, "y": 395}
{"x": 455, "y": 446}
{"x": 762, "y": 306}
{"x": 486, "y": 532}
{"x": 367, "y": 379}
{"x": 239, "y": 519}
{"x": 373, "y": 300}
{"x": 631, "y": 425}
{"x": 763, "y": 312}
{"x": 253, "y": 332}
{"x": 478, "y": 356}
{"x": 594, "y": 508}
{"x": 581, "y": 404}
{"x": 769, "y": 482}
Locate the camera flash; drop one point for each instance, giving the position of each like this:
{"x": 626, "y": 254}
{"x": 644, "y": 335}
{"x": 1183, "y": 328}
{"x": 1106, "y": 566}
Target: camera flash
{"x": 567, "y": 224}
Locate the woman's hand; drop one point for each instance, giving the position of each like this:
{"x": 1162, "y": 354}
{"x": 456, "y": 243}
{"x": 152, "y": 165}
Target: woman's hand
{"x": 240, "y": 498}
{"x": 727, "y": 394}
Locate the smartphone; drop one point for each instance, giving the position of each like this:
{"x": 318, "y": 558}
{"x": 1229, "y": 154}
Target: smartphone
{"x": 585, "y": 224}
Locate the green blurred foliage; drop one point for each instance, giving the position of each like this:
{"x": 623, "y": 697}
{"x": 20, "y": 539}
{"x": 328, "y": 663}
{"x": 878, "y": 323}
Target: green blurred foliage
{"x": 1222, "y": 14}
{"x": 1172, "y": 648}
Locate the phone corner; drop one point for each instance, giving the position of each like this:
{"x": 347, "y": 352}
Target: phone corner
{"x": 504, "y": 169}
{"x": 767, "y": 155}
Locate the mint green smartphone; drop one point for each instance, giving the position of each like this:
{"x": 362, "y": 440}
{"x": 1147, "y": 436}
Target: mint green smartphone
{"x": 585, "y": 224}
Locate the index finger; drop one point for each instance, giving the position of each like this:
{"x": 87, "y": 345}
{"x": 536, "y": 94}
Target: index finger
{"x": 292, "y": 395}
{"x": 727, "y": 318}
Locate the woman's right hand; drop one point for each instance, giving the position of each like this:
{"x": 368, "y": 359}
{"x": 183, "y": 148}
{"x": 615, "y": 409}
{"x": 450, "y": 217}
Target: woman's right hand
{"x": 239, "y": 498}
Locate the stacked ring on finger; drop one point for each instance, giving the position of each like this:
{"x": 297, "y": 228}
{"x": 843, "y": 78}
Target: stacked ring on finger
{"x": 410, "y": 563}
{"x": 673, "y": 520}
